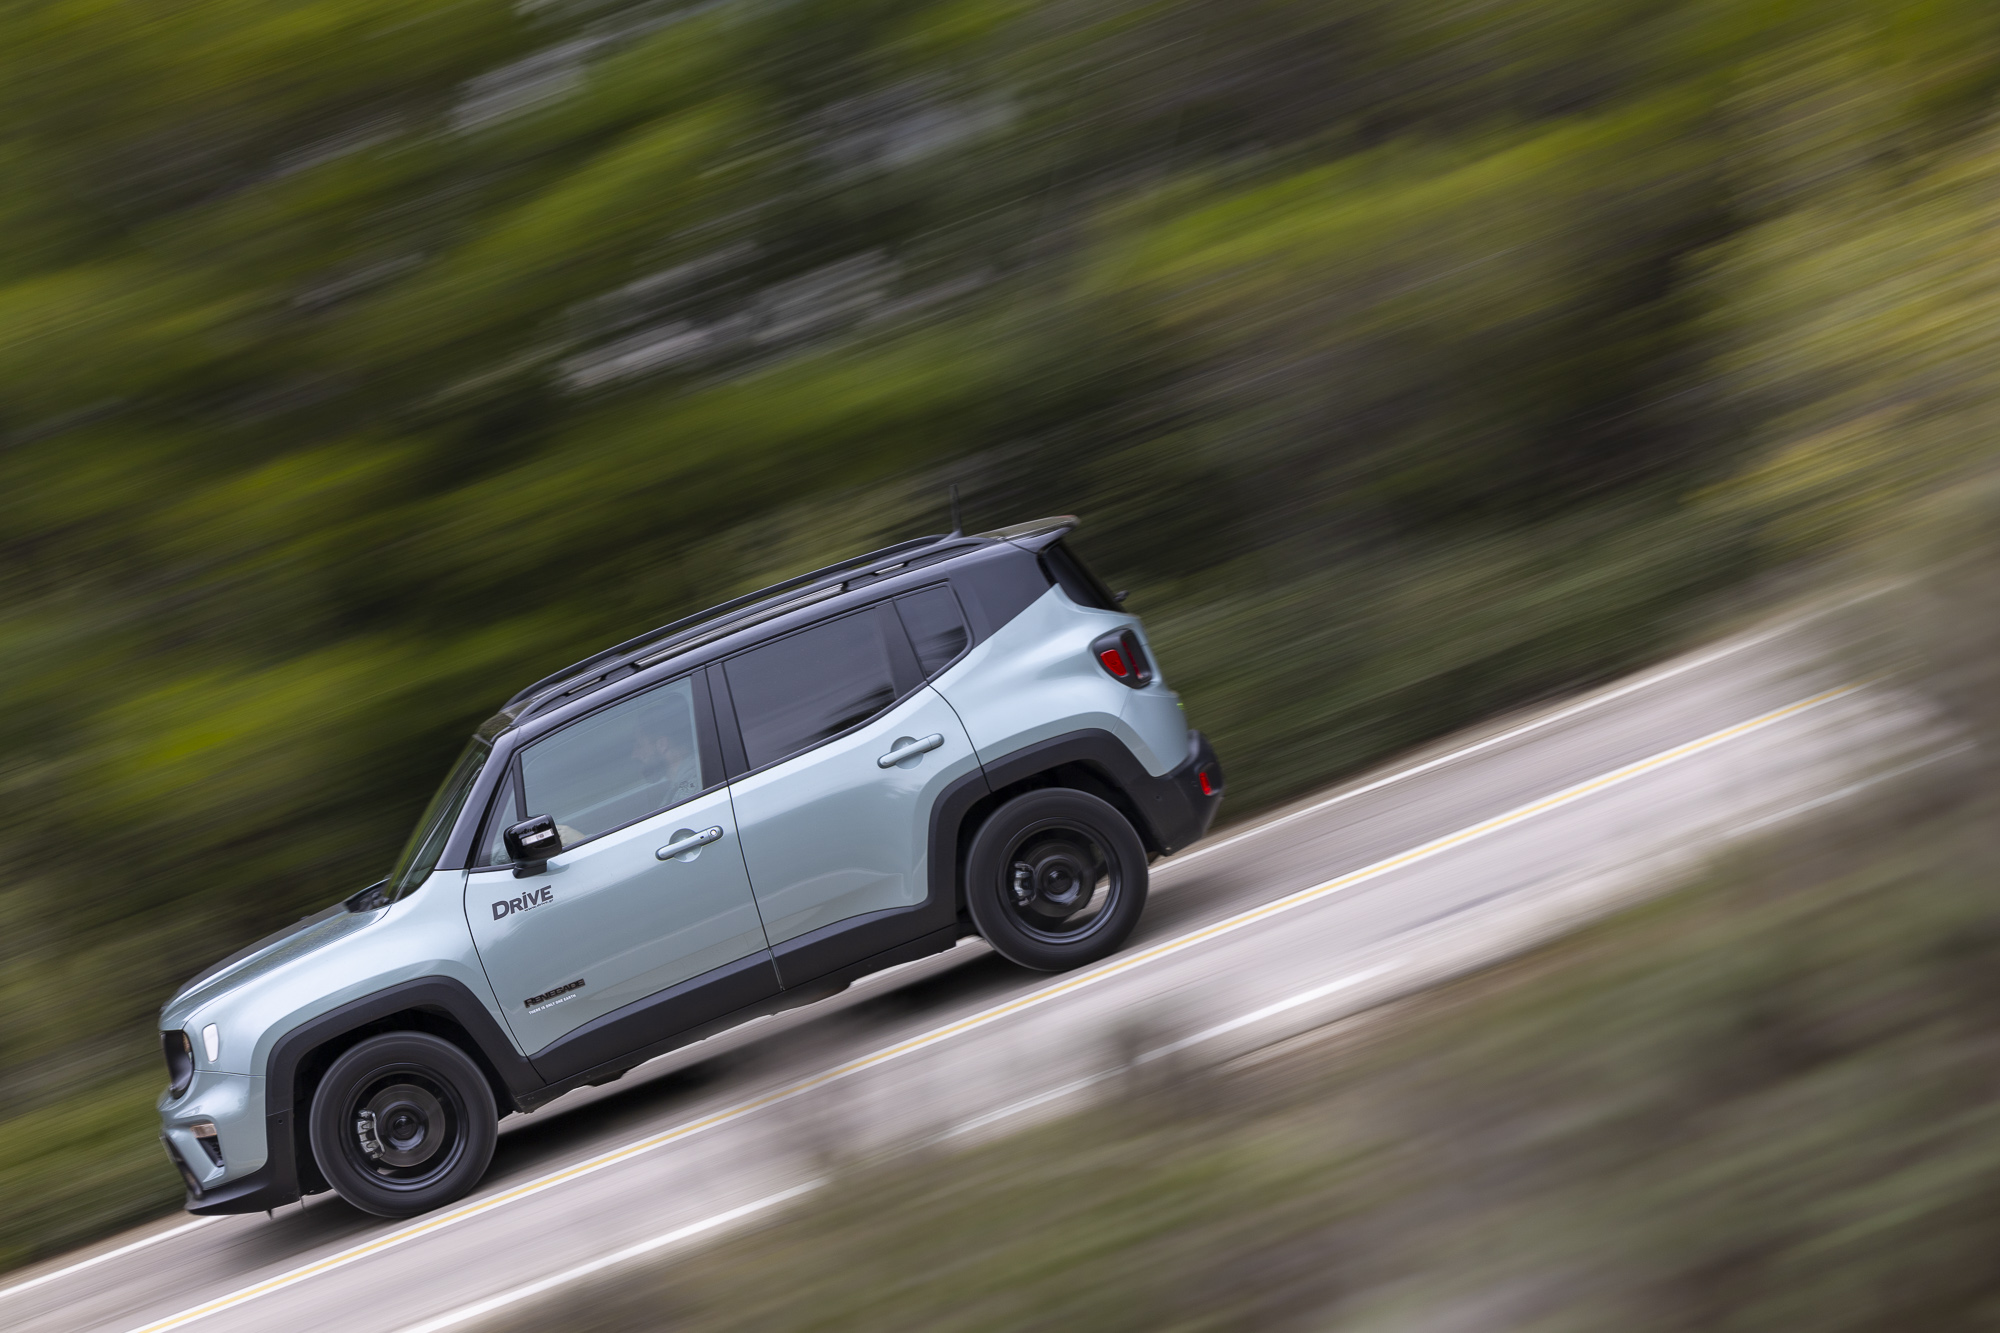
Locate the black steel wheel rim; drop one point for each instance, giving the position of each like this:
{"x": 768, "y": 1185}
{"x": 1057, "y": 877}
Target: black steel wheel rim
{"x": 1059, "y": 881}
{"x": 405, "y": 1128}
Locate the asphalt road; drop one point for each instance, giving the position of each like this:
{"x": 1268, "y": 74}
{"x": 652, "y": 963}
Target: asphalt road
{"x": 1445, "y": 860}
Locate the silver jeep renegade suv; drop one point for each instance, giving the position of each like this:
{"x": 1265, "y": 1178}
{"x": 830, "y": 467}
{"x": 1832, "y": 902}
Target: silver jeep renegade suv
{"x": 737, "y": 813}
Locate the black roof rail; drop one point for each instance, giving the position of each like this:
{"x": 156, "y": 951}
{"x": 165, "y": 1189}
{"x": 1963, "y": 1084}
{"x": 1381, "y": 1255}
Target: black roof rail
{"x": 733, "y": 613}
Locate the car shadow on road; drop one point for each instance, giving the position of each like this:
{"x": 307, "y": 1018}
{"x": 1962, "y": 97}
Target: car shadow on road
{"x": 800, "y": 1043}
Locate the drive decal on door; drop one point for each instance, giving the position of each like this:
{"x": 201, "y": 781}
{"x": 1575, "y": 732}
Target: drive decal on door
{"x": 532, "y": 898}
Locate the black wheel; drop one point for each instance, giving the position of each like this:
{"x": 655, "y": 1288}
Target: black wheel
{"x": 1055, "y": 879}
{"x": 403, "y": 1123}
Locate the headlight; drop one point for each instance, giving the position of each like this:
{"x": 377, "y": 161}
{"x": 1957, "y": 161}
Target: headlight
{"x": 180, "y": 1060}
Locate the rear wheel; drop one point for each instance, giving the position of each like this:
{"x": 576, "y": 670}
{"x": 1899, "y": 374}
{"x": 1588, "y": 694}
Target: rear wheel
{"x": 403, "y": 1123}
{"x": 1056, "y": 879}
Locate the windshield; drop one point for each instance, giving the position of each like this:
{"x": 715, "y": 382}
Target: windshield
{"x": 426, "y": 845}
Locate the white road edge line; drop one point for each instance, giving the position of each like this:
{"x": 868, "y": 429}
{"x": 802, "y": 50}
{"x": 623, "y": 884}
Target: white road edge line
{"x": 630, "y": 1252}
{"x": 96, "y": 1259}
{"x": 1206, "y": 1034}
{"x": 1147, "y": 1057}
{"x": 1849, "y": 790}
{"x": 1270, "y": 1011}
{"x": 1102, "y": 972}
{"x": 1016, "y": 1108}
{"x": 1583, "y": 705}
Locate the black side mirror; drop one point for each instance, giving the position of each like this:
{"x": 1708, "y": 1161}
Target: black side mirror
{"x": 532, "y": 841}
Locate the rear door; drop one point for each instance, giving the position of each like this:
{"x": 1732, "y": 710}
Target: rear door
{"x": 610, "y": 923}
{"x": 847, "y": 749}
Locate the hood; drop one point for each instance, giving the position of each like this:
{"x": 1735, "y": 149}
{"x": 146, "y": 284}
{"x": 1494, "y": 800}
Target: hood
{"x": 273, "y": 951}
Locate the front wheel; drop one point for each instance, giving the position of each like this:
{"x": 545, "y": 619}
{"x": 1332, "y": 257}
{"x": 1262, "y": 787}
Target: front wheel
{"x": 403, "y": 1123}
{"x": 1056, "y": 879}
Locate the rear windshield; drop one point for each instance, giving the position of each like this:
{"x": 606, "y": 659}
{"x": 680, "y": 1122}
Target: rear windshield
{"x": 426, "y": 845}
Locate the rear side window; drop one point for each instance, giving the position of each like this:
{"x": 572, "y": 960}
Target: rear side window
{"x": 795, "y": 692}
{"x": 936, "y": 627}
{"x": 620, "y": 764}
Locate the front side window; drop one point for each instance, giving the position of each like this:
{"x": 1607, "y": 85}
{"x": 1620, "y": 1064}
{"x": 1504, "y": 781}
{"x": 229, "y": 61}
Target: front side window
{"x": 426, "y": 844}
{"x": 620, "y": 764}
{"x": 795, "y": 692}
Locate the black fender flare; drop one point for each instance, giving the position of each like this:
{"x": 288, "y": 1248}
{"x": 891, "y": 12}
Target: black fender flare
{"x": 288, "y": 1172}
{"x": 1170, "y": 811}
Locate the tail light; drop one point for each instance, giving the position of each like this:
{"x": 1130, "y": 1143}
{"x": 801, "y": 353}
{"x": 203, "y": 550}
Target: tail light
{"x": 1123, "y": 658}
{"x": 1209, "y": 786}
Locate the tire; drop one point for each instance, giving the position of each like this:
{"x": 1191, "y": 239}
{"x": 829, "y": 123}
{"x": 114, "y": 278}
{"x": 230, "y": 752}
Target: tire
{"x": 1055, "y": 879}
{"x": 427, "y": 1133}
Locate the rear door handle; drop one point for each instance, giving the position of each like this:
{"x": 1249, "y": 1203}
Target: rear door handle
{"x": 689, "y": 842}
{"x": 910, "y": 750}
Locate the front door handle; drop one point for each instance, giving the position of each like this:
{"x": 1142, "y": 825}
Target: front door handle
{"x": 909, "y": 749}
{"x": 689, "y": 842}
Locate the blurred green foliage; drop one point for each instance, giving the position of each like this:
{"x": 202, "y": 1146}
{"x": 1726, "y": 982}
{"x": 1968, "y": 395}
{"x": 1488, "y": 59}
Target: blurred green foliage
{"x": 360, "y": 361}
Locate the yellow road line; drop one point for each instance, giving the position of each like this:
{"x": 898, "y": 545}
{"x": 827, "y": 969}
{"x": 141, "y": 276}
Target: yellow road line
{"x": 1116, "y": 967}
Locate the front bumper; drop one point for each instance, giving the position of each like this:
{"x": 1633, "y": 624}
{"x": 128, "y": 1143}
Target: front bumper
{"x": 256, "y": 1192}
{"x": 234, "y": 1104}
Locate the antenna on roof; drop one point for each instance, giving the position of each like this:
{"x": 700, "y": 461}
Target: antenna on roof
{"x": 957, "y": 528}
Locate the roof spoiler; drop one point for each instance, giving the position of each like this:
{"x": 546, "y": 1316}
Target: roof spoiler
{"x": 1036, "y": 533}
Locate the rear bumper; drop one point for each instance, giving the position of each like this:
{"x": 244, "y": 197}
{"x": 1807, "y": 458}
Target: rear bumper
{"x": 1182, "y": 804}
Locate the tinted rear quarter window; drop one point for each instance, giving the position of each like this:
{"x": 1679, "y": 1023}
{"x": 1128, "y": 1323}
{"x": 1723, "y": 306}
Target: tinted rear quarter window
{"x": 795, "y": 692}
{"x": 936, "y": 627}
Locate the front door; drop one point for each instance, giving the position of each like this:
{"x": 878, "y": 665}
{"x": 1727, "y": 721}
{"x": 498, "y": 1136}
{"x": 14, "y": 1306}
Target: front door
{"x": 608, "y": 922}
{"x": 843, "y": 775}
